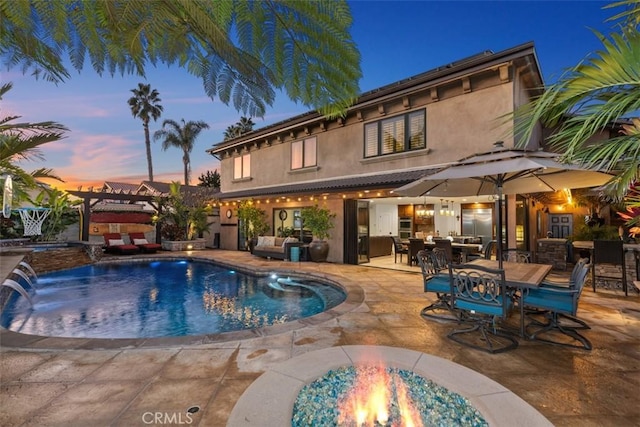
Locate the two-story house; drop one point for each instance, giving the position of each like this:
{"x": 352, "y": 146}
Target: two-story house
{"x": 391, "y": 136}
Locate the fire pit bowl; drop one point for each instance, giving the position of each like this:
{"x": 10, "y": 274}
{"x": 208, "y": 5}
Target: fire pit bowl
{"x": 270, "y": 399}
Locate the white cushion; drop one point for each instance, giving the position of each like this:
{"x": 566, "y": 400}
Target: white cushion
{"x": 269, "y": 240}
{"x": 140, "y": 241}
{"x": 260, "y": 241}
{"x": 116, "y": 242}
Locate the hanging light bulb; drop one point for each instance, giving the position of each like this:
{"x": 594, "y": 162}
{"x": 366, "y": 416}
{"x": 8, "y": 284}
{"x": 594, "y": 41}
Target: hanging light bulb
{"x": 444, "y": 208}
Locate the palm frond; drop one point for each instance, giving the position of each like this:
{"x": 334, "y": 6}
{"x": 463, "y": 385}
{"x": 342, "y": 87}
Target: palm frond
{"x": 241, "y": 50}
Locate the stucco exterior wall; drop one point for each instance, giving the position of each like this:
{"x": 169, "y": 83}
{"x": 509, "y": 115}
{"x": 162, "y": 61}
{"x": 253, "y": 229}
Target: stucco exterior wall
{"x": 467, "y": 124}
{"x": 455, "y": 127}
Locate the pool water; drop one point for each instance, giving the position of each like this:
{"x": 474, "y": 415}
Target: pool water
{"x": 162, "y": 299}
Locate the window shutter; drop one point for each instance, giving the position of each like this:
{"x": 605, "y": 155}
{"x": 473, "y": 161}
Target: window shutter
{"x": 371, "y": 140}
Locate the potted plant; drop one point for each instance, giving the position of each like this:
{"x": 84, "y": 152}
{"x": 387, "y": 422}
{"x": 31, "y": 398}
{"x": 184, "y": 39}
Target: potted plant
{"x": 319, "y": 221}
{"x": 181, "y": 223}
{"x": 253, "y": 222}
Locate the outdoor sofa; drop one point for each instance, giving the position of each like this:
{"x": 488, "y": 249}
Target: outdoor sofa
{"x": 275, "y": 247}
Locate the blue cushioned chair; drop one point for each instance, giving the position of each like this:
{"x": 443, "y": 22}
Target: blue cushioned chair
{"x": 562, "y": 281}
{"x": 435, "y": 277}
{"x": 481, "y": 295}
{"x": 559, "y": 306}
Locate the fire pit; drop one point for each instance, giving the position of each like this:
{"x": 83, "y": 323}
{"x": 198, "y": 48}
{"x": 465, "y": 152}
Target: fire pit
{"x": 275, "y": 397}
{"x": 378, "y": 396}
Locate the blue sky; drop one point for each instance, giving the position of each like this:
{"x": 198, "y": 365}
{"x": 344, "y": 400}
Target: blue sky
{"x": 397, "y": 39}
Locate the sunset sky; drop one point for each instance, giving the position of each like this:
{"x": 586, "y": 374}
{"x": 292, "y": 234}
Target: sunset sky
{"x": 397, "y": 39}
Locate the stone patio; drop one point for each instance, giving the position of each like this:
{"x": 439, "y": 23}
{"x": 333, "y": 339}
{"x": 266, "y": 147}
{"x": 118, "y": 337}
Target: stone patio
{"x": 81, "y": 382}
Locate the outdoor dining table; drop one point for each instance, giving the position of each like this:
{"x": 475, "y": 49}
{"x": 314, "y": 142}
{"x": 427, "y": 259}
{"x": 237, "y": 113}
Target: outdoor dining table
{"x": 463, "y": 248}
{"x": 520, "y": 276}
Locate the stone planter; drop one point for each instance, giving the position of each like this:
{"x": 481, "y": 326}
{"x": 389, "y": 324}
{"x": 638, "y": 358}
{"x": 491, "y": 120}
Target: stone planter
{"x": 183, "y": 245}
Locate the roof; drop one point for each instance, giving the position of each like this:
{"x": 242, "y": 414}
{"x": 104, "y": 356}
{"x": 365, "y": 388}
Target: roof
{"x": 156, "y": 188}
{"x": 119, "y": 187}
{"x": 379, "y": 181}
{"x": 432, "y": 77}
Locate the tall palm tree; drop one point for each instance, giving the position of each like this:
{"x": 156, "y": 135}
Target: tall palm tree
{"x": 183, "y": 137}
{"x": 242, "y": 50}
{"x": 22, "y": 141}
{"x": 242, "y": 126}
{"x": 602, "y": 90}
{"x": 145, "y": 104}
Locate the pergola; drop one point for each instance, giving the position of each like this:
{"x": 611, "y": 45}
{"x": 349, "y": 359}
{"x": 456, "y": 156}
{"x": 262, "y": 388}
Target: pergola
{"x": 88, "y": 196}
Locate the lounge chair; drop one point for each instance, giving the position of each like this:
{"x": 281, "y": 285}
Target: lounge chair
{"x": 115, "y": 244}
{"x": 140, "y": 241}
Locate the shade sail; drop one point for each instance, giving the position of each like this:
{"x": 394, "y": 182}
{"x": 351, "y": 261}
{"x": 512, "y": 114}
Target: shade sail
{"x": 515, "y": 171}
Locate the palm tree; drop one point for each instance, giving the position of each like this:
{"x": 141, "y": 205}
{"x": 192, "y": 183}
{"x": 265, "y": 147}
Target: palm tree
{"x": 242, "y": 50}
{"x": 244, "y": 125}
{"x": 183, "y": 137}
{"x": 602, "y": 90}
{"x": 22, "y": 141}
{"x": 145, "y": 104}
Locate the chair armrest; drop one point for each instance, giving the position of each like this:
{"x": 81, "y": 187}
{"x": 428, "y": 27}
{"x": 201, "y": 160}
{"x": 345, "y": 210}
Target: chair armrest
{"x": 556, "y": 291}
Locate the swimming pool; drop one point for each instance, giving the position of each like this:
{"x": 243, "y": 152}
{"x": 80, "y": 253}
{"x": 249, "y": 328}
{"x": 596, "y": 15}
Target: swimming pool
{"x": 163, "y": 298}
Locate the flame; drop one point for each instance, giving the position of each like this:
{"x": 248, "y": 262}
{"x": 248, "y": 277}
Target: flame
{"x": 369, "y": 400}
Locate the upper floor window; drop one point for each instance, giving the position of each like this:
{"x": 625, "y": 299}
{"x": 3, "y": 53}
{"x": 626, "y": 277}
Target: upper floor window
{"x": 395, "y": 134}
{"x": 303, "y": 153}
{"x": 242, "y": 166}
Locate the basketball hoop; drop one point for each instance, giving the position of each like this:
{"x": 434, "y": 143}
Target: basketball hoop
{"x": 32, "y": 219}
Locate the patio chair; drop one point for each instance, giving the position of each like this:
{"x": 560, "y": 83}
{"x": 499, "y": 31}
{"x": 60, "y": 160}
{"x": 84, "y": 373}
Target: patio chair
{"x": 562, "y": 281}
{"x": 516, "y": 255}
{"x": 452, "y": 256}
{"x": 610, "y": 255}
{"x": 481, "y": 295}
{"x": 114, "y": 243}
{"x": 487, "y": 251}
{"x": 441, "y": 259}
{"x": 399, "y": 248}
{"x": 560, "y": 306}
{"x": 437, "y": 281}
{"x": 140, "y": 241}
{"x": 415, "y": 246}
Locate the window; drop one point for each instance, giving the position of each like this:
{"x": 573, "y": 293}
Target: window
{"x": 242, "y": 166}
{"x": 303, "y": 153}
{"x": 395, "y": 134}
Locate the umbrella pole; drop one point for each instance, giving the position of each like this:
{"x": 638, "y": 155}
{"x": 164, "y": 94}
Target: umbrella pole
{"x": 499, "y": 233}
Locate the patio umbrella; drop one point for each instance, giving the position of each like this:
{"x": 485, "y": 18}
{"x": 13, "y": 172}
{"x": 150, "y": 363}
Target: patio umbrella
{"x": 504, "y": 171}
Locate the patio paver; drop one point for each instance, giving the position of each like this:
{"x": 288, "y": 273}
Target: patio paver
{"x": 88, "y": 383}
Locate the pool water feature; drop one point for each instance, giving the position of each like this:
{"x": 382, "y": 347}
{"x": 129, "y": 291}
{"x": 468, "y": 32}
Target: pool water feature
{"x": 162, "y": 298}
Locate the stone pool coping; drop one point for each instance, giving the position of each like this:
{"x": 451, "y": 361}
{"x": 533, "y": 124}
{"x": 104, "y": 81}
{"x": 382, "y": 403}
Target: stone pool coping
{"x": 269, "y": 400}
{"x": 355, "y": 297}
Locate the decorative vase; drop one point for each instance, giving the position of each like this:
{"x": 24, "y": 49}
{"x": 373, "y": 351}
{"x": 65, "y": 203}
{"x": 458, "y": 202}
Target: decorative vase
{"x": 318, "y": 250}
